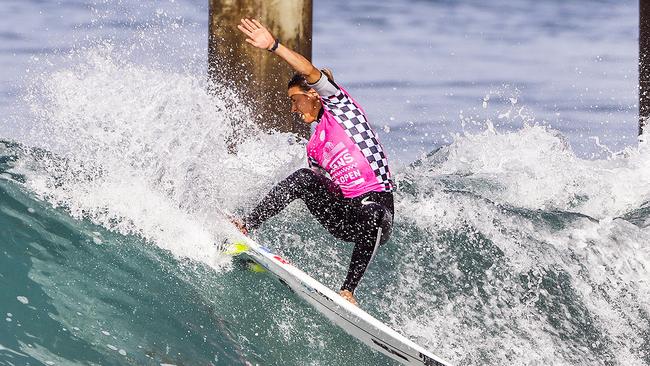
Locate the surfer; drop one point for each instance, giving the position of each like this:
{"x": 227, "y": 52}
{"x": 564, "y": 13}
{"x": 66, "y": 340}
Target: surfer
{"x": 348, "y": 187}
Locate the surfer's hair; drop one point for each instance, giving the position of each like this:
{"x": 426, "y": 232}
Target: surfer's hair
{"x": 299, "y": 81}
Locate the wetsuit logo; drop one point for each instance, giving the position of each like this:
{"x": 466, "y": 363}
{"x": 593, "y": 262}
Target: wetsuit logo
{"x": 365, "y": 201}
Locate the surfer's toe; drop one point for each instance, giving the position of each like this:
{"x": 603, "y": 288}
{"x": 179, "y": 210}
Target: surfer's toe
{"x": 348, "y": 296}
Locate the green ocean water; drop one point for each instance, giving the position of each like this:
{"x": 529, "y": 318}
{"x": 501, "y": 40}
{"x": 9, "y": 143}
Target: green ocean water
{"x": 474, "y": 281}
{"x": 76, "y": 293}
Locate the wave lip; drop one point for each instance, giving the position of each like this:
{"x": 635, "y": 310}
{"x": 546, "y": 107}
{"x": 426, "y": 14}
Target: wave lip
{"x": 535, "y": 168}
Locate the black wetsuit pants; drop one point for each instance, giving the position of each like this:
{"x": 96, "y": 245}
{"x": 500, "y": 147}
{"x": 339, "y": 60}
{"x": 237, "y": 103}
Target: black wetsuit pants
{"x": 366, "y": 220}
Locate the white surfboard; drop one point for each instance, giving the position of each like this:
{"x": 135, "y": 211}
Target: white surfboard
{"x": 341, "y": 312}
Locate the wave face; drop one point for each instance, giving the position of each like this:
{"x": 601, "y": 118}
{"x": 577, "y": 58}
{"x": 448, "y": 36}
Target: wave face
{"x": 507, "y": 247}
{"x": 74, "y": 293}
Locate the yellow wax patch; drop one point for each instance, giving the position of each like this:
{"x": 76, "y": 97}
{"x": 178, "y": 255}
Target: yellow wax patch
{"x": 236, "y": 248}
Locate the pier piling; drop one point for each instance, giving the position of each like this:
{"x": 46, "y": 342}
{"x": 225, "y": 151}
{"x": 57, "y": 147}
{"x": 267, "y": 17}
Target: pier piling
{"x": 259, "y": 76}
{"x": 644, "y": 63}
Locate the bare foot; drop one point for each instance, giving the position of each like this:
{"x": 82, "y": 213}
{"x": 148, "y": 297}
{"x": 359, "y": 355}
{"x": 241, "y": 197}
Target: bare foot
{"x": 240, "y": 225}
{"x": 348, "y": 296}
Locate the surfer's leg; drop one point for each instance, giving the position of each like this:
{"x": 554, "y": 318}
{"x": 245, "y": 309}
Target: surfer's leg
{"x": 313, "y": 188}
{"x": 375, "y": 225}
{"x": 361, "y": 257}
{"x": 324, "y": 200}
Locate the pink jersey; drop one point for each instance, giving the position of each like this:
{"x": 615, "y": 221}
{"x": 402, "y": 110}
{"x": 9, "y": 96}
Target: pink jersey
{"x": 344, "y": 145}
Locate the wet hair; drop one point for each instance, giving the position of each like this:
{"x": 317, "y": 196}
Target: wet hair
{"x": 299, "y": 81}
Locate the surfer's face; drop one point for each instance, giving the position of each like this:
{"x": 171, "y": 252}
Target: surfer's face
{"x": 305, "y": 103}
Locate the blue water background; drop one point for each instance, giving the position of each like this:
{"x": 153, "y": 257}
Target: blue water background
{"x": 422, "y": 69}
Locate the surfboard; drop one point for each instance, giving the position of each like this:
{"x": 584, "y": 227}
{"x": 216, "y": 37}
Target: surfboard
{"x": 352, "y": 319}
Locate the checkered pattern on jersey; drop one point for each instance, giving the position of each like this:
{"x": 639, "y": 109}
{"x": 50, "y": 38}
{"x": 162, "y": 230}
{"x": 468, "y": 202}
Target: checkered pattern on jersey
{"x": 353, "y": 120}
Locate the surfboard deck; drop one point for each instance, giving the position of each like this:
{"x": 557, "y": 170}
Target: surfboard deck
{"x": 352, "y": 319}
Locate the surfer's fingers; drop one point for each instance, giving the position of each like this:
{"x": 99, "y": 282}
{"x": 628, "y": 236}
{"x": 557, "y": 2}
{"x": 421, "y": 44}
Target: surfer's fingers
{"x": 245, "y": 31}
{"x": 246, "y": 26}
{"x": 250, "y": 24}
{"x": 250, "y": 41}
{"x": 258, "y": 24}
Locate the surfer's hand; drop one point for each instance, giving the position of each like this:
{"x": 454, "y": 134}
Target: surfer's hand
{"x": 348, "y": 296}
{"x": 257, "y": 34}
{"x": 240, "y": 225}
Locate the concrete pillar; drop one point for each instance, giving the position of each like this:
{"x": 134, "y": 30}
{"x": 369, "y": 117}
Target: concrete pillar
{"x": 259, "y": 76}
{"x": 644, "y": 63}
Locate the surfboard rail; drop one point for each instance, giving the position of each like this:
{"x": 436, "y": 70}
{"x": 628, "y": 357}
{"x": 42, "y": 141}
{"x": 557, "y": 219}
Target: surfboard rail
{"x": 352, "y": 319}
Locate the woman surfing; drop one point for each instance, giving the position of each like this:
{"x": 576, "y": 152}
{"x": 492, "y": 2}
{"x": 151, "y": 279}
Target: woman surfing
{"x": 348, "y": 187}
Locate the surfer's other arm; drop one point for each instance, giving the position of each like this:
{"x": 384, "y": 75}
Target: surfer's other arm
{"x": 260, "y": 37}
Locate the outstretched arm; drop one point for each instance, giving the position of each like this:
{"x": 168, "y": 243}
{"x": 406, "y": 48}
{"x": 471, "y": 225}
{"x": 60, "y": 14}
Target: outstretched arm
{"x": 260, "y": 37}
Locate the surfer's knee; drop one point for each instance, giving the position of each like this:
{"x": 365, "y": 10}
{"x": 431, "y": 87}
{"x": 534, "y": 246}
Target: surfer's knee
{"x": 303, "y": 177}
{"x": 380, "y": 222}
{"x": 386, "y": 226}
